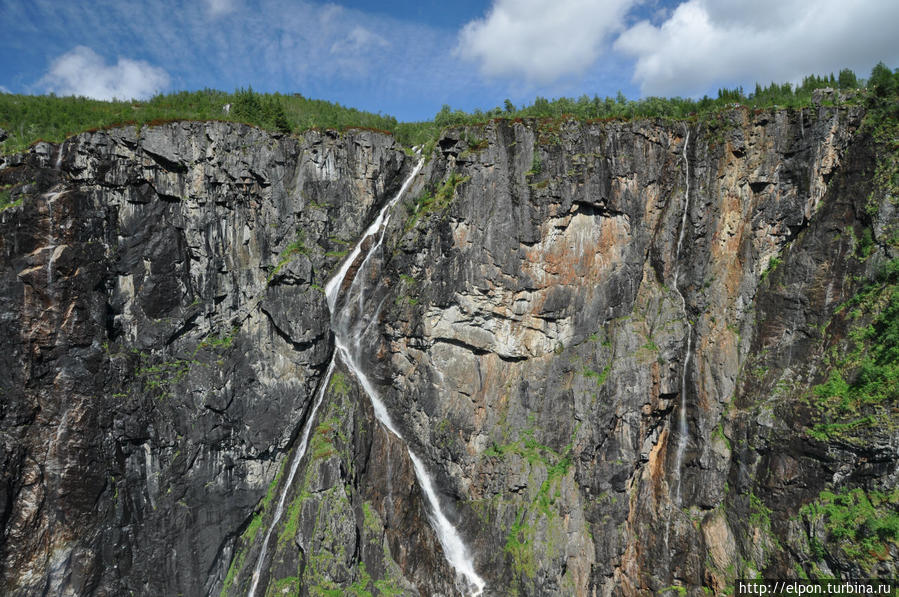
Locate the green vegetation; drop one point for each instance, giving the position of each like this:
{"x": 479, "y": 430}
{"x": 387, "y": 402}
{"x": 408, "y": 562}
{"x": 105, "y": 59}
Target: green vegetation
{"x": 248, "y": 538}
{"x": 287, "y": 587}
{"x": 882, "y": 122}
{"x": 861, "y": 524}
{"x": 322, "y": 444}
{"x": 338, "y": 384}
{"x": 264, "y": 110}
{"x": 863, "y": 382}
{"x": 433, "y": 200}
{"x": 759, "y": 513}
{"x": 599, "y": 378}
{"x": 370, "y": 519}
{"x": 536, "y": 165}
{"x": 596, "y": 108}
{"x": 772, "y": 265}
{"x": 297, "y": 247}
{"x": 719, "y": 433}
{"x": 6, "y": 200}
{"x": 219, "y": 342}
{"x": 30, "y": 118}
{"x": 540, "y": 511}
{"x": 160, "y": 378}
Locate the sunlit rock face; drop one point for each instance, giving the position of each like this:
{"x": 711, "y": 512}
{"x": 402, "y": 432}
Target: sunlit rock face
{"x": 165, "y": 333}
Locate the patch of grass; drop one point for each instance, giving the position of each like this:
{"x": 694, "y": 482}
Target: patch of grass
{"x": 598, "y": 377}
{"x": 30, "y": 118}
{"x": 6, "y": 200}
{"x": 865, "y": 245}
{"x": 287, "y": 587}
{"x": 882, "y": 123}
{"x": 220, "y": 342}
{"x": 520, "y": 543}
{"x": 297, "y": 247}
{"x": 862, "y": 385}
{"x": 248, "y": 537}
{"x": 519, "y": 546}
{"x": 759, "y": 513}
{"x": 434, "y": 200}
{"x": 292, "y": 520}
{"x": 772, "y": 265}
{"x": 160, "y": 378}
{"x": 536, "y": 165}
{"x": 338, "y": 384}
{"x": 719, "y": 433}
{"x": 862, "y": 524}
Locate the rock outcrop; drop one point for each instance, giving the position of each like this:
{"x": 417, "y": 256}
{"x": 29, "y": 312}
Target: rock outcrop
{"x": 166, "y": 334}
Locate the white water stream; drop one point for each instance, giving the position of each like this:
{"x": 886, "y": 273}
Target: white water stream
{"x": 349, "y": 324}
{"x": 52, "y": 247}
{"x": 682, "y": 430}
{"x": 294, "y": 465}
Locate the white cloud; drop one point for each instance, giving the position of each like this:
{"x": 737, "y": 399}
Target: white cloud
{"x": 358, "y": 40}
{"x": 220, "y": 7}
{"x": 706, "y": 44}
{"x": 354, "y": 53}
{"x": 84, "y": 72}
{"x": 4, "y": 89}
{"x": 541, "y": 41}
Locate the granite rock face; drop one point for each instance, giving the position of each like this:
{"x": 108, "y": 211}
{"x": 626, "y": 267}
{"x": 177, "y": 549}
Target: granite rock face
{"x": 164, "y": 331}
{"x": 600, "y": 339}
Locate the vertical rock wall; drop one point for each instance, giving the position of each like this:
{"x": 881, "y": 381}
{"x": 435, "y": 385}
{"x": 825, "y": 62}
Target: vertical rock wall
{"x": 164, "y": 330}
{"x": 163, "y": 313}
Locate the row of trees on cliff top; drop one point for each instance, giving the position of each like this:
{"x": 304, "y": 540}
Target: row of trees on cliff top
{"x": 30, "y": 118}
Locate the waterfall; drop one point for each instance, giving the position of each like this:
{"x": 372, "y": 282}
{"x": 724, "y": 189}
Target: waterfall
{"x": 349, "y": 324}
{"x": 682, "y": 430}
{"x": 294, "y": 465}
{"x": 52, "y": 247}
{"x": 58, "y": 164}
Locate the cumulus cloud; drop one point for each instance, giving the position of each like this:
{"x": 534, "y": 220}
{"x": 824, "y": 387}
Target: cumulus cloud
{"x": 541, "y": 41}
{"x": 84, "y": 72}
{"x": 705, "y": 44}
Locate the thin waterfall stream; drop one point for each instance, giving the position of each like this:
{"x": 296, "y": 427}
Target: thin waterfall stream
{"x": 349, "y": 324}
{"x": 682, "y": 430}
{"x": 294, "y": 465}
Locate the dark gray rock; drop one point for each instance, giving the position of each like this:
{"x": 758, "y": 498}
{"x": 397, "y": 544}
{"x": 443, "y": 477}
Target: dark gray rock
{"x": 165, "y": 333}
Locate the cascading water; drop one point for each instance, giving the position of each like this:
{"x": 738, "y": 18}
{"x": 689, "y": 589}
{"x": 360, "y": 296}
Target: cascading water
{"x": 52, "y": 247}
{"x": 58, "y": 164}
{"x": 294, "y": 465}
{"x": 349, "y": 324}
{"x": 682, "y": 430}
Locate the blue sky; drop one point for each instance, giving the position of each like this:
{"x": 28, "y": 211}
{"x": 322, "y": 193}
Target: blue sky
{"x": 408, "y": 58}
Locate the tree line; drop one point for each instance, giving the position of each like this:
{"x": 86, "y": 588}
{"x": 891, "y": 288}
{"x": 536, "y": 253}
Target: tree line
{"x": 28, "y": 118}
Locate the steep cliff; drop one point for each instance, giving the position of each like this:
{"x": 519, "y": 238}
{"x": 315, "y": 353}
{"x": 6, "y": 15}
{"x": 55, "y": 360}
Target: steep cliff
{"x": 616, "y": 348}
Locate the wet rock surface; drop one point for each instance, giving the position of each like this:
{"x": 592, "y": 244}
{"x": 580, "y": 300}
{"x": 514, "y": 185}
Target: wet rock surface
{"x": 166, "y": 333}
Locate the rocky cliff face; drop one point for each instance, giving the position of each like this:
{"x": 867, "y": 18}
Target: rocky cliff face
{"x": 606, "y": 343}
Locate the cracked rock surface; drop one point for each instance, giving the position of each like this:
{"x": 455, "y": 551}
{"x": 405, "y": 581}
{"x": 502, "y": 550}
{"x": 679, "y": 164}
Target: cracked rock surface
{"x": 165, "y": 334}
